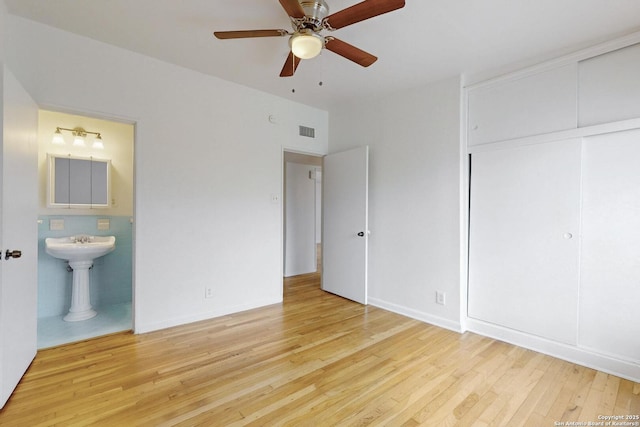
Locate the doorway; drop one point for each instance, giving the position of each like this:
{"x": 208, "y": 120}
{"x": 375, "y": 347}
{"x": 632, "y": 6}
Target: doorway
{"x": 111, "y": 276}
{"x": 302, "y": 204}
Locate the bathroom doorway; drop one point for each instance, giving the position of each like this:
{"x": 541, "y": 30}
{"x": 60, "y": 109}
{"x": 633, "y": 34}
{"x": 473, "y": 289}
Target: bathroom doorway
{"x": 302, "y": 213}
{"x": 111, "y": 276}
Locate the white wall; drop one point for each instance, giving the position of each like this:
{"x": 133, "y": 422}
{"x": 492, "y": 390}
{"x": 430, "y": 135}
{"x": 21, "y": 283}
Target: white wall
{"x": 3, "y": 17}
{"x": 300, "y": 220}
{"x": 207, "y": 163}
{"x": 414, "y": 199}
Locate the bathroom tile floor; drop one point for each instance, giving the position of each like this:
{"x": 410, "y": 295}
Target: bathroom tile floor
{"x": 53, "y": 331}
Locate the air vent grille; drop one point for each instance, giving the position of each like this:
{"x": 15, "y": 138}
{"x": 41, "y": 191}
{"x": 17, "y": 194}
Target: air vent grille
{"x": 307, "y": 131}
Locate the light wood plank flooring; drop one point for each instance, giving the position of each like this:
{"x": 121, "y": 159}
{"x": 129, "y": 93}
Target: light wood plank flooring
{"x": 315, "y": 360}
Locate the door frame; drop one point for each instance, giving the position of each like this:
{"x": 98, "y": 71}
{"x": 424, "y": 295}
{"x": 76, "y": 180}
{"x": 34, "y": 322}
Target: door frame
{"x": 283, "y": 166}
{"x": 124, "y": 120}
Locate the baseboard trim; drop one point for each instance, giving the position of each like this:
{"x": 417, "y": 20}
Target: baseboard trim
{"x": 418, "y": 315}
{"x": 143, "y": 327}
{"x": 573, "y": 354}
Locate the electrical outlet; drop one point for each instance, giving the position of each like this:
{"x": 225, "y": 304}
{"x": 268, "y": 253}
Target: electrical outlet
{"x": 208, "y": 292}
{"x": 440, "y": 298}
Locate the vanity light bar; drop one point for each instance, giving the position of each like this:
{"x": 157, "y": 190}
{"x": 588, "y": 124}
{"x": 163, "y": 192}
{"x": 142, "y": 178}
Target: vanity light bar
{"x": 79, "y": 135}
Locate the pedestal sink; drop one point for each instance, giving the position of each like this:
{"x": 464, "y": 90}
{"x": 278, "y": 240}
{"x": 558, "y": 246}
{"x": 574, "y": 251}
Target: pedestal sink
{"x": 80, "y": 251}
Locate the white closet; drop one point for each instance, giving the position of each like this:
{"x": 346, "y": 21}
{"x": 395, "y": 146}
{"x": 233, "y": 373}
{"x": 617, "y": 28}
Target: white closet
{"x": 554, "y": 210}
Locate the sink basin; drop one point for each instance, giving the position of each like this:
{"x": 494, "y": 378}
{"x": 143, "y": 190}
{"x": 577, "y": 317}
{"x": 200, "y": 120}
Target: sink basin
{"x": 80, "y": 248}
{"x": 80, "y": 251}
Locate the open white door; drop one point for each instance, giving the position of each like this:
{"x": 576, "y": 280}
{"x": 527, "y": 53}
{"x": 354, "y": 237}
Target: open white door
{"x": 18, "y": 234}
{"x": 345, "y": 226}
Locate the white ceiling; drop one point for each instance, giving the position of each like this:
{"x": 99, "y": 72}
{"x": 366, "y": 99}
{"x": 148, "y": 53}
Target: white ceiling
{"x": 427, "y": 40}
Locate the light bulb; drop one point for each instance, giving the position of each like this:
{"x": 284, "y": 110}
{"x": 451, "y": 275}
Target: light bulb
{"x": 97, "y": 143}
{"x": 78, "y": 140}
{"x": 58, "y": 138}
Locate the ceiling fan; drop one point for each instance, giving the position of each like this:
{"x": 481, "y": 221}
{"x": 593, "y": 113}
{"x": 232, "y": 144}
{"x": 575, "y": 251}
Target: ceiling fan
{"x": 309, "y": 18}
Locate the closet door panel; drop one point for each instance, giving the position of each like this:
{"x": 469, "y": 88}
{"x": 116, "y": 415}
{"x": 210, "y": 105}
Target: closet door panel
{"x": 537, "y": 104}
{"x": 523, "y": 261}
{"x": 610, "y": 268}
{"x": 609, "y": 87}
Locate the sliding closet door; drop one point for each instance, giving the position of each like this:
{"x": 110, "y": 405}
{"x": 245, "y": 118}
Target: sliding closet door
{"x": 610, "y": 271}
{"x": 524, "y": 226}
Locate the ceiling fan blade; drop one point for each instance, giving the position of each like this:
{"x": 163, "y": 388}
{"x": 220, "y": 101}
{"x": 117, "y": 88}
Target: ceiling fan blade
{"x": 290, "y": 65}
{"x": 361, "y": 11}
{"x": 350, "y": 52}
{"x": 293, "y": 8}
{"x": 249, "y": 33}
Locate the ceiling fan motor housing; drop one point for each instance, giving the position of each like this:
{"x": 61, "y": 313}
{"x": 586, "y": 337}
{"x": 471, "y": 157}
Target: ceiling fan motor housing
{"x": 315, "y": 11}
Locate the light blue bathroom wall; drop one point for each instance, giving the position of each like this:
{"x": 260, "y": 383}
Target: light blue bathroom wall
{"x": 110, "y": 276}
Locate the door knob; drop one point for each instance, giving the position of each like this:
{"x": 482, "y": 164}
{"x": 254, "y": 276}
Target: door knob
{"x": 12, "y": 254}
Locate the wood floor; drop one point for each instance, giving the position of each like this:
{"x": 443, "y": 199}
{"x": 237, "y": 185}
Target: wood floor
{"x": 315, "y": 360}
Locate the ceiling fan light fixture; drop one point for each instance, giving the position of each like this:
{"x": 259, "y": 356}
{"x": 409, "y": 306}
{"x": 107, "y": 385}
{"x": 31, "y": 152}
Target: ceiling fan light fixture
{"x": 306, "y": 44}
{"x": 309, "y": 18}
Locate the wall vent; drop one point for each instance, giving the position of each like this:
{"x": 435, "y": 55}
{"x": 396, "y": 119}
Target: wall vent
{"x": 308, "y": 132}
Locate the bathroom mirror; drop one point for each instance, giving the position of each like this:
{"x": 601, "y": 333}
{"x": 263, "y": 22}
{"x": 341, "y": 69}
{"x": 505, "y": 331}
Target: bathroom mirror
{"x": 76, "y": 182}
